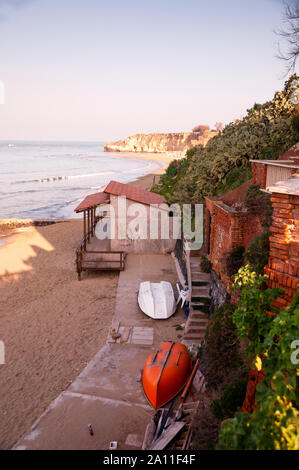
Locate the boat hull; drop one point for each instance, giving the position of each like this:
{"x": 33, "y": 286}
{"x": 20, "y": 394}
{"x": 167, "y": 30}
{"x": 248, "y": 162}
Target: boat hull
{"x": 157, "y": 299}
{"x": 165, "y": 373}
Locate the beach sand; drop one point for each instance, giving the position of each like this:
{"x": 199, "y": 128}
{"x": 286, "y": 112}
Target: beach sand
{"x": 51, "y": 324}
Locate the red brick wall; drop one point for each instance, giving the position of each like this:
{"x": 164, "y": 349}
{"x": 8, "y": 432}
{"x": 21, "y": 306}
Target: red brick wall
{"x": 283, "y": 265}
{"x": 259, "y": 174}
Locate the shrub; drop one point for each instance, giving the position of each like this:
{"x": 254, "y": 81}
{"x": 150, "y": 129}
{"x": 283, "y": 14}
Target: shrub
{"x": 205, "y": 264}
{"x": 235, "y": 260}
{"x": 222, "y": 361}
{"x": 274, "y": 425}
{"x": 232, "y": 397}
{"x": 257, "y": 253}
{"x": 265, "y": 132}
{"x": 258, "y": 202}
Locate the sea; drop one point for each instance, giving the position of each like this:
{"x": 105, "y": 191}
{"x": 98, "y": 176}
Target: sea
{"x": 47, "y": 180}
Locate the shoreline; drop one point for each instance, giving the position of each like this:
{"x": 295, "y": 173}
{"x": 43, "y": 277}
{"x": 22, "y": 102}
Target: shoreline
{"x": 10, "y": 226}
{"x": 51, "y": 324}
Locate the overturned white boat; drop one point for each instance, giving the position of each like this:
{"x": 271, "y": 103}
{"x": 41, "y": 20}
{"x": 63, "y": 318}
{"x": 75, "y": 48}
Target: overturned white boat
{"x": 157, "y": 299}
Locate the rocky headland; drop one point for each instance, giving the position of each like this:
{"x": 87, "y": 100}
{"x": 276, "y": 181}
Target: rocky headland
{"x": 156, "y": 143}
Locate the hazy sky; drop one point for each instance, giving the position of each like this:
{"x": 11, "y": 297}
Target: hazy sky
{"x": 102, "y": 70}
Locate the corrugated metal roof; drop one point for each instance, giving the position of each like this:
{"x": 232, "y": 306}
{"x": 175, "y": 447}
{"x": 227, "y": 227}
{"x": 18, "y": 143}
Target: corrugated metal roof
{"x": 93, "y": 200}
{"x": 133, "y": 193}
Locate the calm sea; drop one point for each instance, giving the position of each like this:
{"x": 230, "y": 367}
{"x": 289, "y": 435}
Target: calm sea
{"x": 48, "y": 179}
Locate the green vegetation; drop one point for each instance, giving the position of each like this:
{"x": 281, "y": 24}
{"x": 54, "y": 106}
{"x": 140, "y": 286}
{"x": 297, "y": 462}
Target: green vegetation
{"x": 205, "y": 264}
{"x": 266, "y": 132}
{"x": 250, "y": 316}
{"x": 232, "y": 397}
{"x": 258, "y": 202}
{"x": 225, "y": 371}
{"x": 274, "y": 425}
{"x": 257, "y": 253}
{"x": 235, "y": 260}
{"x": 222, "y": 351}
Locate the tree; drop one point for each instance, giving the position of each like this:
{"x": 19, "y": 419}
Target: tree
{"x": 201, "y": 128}
{"x": 219, "y": 126}
{"x": 291, "y": 34}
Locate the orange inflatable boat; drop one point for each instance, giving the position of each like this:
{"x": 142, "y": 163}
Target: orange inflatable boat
{"x": 165, "y": 373}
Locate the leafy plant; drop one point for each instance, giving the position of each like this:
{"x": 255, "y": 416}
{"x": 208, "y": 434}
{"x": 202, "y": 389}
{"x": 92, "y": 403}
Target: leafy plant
{"x": 250, "y": 316}
{"x": 205, "y": 264}
{"x": 235, "y": 260}
{"x": 258, "y": 202}
{"x": 274, "y": 425}
{"x": 257, "y": 253}
{"x": 222, "y": 358}
{"x": 267, "y": 131}
{"x": 232, "y": 397}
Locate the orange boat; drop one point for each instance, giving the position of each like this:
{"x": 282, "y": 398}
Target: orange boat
{"x": 165, "y": 373}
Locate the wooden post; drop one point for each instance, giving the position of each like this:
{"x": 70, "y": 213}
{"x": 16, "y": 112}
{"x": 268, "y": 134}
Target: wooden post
{"x": 84, "y": 229}
{"x": 88, "y": 225}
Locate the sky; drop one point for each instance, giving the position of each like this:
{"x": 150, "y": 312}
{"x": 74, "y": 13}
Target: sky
{"x": 98, "y": 70}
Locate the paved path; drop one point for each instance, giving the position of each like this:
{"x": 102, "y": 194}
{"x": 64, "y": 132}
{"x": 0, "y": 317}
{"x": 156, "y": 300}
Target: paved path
{"x": 107, "y": 394}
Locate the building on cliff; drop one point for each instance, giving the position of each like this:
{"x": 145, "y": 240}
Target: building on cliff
{"x": 229, "y": 225}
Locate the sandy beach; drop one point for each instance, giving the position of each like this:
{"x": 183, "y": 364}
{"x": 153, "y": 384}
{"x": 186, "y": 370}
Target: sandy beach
{"x": 51, "y": 324}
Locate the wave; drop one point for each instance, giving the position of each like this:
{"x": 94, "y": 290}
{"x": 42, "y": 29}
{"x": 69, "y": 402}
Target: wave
{"x": 51, "y": 179}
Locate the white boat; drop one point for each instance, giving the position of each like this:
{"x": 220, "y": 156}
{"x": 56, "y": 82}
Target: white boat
{"x": 157, "y": 299}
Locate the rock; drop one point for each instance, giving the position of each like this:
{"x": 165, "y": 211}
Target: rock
{"x": 219, "y": 296}
{"x": 171, "y": 142}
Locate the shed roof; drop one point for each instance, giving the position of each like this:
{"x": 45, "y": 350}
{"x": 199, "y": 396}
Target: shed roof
{"x": 93, "y": 200}
{"x": 281, "y": 163}
{"x": 133, "y": 193}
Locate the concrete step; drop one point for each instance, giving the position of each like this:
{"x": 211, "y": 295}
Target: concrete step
{"x": 201, "y": 293}
{"x": 197, "y": 324}
{"x": 198, "y": 315}
{"x": 194, "y": 338}
{"x": 195, "y": 260}
{"x": 199, "y": 330}
{"x": 200, "y": 283}
{"x": 198, "y": 290}
{"x": 200, "y": 276}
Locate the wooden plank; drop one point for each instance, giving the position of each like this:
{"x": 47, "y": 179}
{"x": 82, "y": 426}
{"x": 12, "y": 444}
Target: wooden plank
{"x": 167, "y": 436}
{"x": 149, "y": 435}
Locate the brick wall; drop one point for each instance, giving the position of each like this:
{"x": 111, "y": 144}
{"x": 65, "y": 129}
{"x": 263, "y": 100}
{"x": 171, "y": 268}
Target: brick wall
{"x": 259, "y": 174}
{"x": 229, "y": 228}
{"x": 283, "y": 265}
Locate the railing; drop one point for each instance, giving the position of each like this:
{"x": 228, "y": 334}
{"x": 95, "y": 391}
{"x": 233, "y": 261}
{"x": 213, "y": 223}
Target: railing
{"x": 97, "y": 264}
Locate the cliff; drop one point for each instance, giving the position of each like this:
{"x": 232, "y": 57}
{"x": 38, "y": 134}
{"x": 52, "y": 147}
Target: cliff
{"x": 171, "y": 142}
